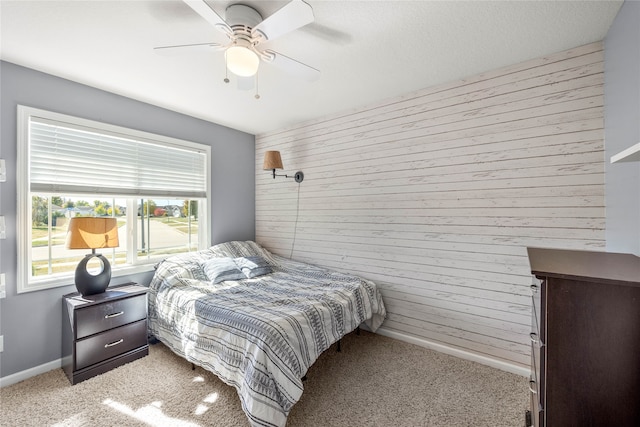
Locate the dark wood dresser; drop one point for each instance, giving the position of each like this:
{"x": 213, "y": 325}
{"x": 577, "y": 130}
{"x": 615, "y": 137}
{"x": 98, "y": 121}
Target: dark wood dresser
{"x": 585, "y": 339}
{"x": 103, "y": 331}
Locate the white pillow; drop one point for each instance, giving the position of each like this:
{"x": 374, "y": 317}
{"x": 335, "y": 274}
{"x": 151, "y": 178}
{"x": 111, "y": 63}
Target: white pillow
{"x": 253, "y": 266}
{"x": 221, "y": 269}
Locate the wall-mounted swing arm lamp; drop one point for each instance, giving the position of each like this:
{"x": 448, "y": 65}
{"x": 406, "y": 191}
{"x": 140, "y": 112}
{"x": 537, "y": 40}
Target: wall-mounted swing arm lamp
{"x": 273, "y": 161}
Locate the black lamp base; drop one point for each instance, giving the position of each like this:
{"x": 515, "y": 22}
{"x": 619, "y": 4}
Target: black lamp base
{"x": 88, "y": 284}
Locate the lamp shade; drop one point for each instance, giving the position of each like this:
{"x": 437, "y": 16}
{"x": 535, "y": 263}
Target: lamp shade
{"x": 241, "y": 61}
{"x": 92, "y": 233}
{"x": 272, "y": 160}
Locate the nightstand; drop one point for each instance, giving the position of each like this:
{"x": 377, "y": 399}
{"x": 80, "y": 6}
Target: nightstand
{"x": 103, "y": 331}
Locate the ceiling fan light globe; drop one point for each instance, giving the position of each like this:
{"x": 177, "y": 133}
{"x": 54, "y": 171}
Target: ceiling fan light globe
{"x": 242, "y": 61}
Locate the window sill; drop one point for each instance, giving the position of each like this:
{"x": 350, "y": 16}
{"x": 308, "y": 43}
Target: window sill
{"x": 67, "y": 280}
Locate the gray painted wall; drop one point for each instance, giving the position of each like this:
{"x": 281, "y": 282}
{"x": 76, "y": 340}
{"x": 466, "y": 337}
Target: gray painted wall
{"x": 31, "y": 322}
{"x": 622, "y": 129}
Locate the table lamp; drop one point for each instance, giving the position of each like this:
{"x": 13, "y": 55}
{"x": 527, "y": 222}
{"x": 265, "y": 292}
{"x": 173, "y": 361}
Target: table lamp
{"x": 92, "y": 233}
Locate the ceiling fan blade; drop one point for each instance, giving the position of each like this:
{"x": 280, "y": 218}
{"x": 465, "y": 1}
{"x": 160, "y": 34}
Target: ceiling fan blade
{"x": 292, "y": 66}
{"x": 203, "y": 9}
{"x": 188, "y": 48}
{"x": 291, "y": 16}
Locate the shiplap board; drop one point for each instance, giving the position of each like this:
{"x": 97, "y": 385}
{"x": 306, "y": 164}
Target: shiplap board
{"x": 435, "y": 196}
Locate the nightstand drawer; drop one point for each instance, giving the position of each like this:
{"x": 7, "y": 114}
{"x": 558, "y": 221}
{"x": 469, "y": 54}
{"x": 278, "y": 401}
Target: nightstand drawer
{"x": 110, "y": 343}
{"x": 97, "y": 318}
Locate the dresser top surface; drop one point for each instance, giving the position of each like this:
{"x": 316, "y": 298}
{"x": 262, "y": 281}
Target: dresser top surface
{"x": 601, "y": 266}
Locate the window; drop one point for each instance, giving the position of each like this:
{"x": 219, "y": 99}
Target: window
{"x": 156, "y": 187}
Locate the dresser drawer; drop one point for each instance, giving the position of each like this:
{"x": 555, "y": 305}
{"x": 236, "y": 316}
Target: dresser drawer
{"x": 537, "y": 413}
{"x": 111, "y": 343}
{"x": 98, "y": 318}
{"x": 536, "y": 307}
{"x": 535, "y": 326}
{"x": 537, "y": 378}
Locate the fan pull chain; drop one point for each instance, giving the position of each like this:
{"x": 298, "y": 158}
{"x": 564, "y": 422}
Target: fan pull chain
{"x": 257, "y": 95}
{"x": 226, "y": 69}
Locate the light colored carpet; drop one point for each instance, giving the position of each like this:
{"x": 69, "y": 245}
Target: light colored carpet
{"x": 374, "y": 381}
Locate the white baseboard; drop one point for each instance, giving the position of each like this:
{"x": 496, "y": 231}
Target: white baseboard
{"x": 31, "y": 372}
{"x": 524, "y": 371}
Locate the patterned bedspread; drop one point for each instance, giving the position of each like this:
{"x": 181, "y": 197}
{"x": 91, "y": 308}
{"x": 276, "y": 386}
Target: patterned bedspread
{"x": 259, "y": 335}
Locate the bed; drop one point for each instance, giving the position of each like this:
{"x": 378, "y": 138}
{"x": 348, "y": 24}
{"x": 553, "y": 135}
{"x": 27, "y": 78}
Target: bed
{"x": 261, "y": 330}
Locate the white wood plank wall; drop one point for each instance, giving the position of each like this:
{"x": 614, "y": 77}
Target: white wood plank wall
{"x": 435, "y": 196}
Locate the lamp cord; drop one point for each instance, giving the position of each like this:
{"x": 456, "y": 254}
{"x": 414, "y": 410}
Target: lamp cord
{"x": 295, "y": 226}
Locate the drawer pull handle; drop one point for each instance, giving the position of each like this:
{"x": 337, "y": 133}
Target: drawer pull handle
{"x": 109, "y": 316}
{"x": 532, "y": 387}
{"x": 534, "y": 337}
{"x": 120, "y": 341}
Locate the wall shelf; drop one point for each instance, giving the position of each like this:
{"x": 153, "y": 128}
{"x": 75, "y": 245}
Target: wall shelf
{"x": 631, "y": 154}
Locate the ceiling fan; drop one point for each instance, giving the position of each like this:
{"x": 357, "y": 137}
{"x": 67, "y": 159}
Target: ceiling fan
{"x": 247, "y": 32}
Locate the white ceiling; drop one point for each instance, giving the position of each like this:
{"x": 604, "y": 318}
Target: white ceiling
{"x": 366, "y": 50}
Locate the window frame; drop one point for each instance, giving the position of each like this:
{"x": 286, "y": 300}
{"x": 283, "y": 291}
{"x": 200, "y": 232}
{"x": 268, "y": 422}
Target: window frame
{"x": 28, "y": 283}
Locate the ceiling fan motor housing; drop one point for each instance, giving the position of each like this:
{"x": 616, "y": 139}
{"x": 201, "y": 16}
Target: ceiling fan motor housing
{"x": 239, "y": 15}
{"x": 242, "y": 57}
{"x": 246, "y": 30}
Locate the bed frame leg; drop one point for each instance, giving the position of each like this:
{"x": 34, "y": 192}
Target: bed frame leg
{"x": 193, "y": 367}
{"x": 358, "y": 330}
{"x": 339, "y": 348}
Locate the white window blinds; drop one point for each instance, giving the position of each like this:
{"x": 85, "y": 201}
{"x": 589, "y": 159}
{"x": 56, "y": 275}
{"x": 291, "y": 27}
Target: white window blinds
{"x": 67, "y": 158}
